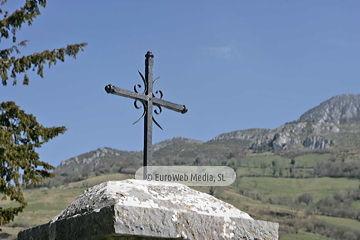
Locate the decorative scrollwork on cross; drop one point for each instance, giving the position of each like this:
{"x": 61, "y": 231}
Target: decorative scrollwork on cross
{"x": 156, "y": 111}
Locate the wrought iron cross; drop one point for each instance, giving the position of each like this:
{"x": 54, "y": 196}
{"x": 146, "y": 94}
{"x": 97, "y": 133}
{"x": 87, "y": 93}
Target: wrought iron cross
{"x": 148, "y": 100}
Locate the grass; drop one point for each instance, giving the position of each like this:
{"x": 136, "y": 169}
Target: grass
{"x": 43, "y": 205}
{"x": 262, "y": 164}
{"x": 243, "y": 203}
{"x": 351, "y": 223}
{"x": 258, "y": 161}
{"x": 305, "y": 161}
{"x": 242, "y": 171}
{"x": 280, "y": 187}
{"x": 100, "y": 179}
{"x": 302, "y": 236}
{"x": 356, "y": 205}
{"x": 310, "y": 160}
{"x": 12, "y": 231}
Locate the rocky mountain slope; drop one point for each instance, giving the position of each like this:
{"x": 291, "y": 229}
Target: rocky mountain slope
{"x": 326, "y": 125}
{"x": 339, "y": 109}
{"x": 288, "y": 136}
{"x": 334, "y": 123}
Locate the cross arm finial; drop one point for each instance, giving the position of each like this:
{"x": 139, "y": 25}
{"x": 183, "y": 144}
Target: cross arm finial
{"x": 109, "y": 88}
{"x": 184, "y": 109}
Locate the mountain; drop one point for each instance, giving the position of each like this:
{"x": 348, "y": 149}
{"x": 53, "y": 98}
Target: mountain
{"x": 338, "y": 109}
{"x": 175, "y": 141}
{"x": 288, "y": 136}
{"x": 106, "y": 160}
{"x": 334, "y": 124}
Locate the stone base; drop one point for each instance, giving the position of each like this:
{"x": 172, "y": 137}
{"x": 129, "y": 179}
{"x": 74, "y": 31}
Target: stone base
{"x": 137, "y": 209}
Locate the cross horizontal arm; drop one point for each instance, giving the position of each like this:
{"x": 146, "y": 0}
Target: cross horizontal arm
{"x": 137, "y": 96}
{"x": 125, "y": 93}
{"x": 169, "y": 105}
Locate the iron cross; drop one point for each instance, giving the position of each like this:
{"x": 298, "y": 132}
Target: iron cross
{"x": 148, "y": 100}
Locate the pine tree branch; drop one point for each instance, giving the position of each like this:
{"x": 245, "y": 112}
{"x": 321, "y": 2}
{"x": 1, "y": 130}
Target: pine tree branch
{"x": 17, "y": 154}
{"x": 14, "y": 22}
{"x": 35, "y": 61}
{"x": 4, "y": 54}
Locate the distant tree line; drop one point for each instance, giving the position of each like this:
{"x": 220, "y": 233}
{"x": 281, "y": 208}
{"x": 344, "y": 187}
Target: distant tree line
{"x": 338, "y": 169}
{"x": 320, "y": 227}
{"x": 336, "y": 205}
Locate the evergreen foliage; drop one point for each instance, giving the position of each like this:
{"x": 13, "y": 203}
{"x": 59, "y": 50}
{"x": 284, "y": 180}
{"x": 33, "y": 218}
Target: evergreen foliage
{"x": 20, "y": 133}
{"x": 9, "y": 26}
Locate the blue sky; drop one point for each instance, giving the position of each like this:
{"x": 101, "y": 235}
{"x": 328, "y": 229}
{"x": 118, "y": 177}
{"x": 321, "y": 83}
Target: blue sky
{"x": 234, "y": 64}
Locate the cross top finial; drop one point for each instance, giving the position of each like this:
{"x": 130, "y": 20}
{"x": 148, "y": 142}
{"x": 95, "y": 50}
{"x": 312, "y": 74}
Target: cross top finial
{"x": 149, "y": 55}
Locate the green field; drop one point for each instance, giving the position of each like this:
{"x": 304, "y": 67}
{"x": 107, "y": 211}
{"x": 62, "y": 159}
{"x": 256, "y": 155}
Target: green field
{"x": 45, "y": 204}
{"x": 303, "y": 236}
{"x": 249, "y": 171}
{"x": 305, "y": 161}
{"x": 293, "y": 187}
{"x": 351, "y": 223}
{"x": 356, "y": 205}
{"x": 264, "y": 165}
{"x": 310, "y": 160}
{"x": 99, "y": 179}
{"x": 258, "y": 161}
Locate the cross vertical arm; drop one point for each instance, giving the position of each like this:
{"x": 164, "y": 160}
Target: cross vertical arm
{"x": 147, "y": 161}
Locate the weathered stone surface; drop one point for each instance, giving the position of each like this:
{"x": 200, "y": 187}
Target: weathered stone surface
{"x": 137, "y": 209}
{"x": 317, "y": 142}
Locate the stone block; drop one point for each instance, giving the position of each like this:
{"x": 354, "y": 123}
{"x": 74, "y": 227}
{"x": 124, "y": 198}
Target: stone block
{"x": 138, "y": 209}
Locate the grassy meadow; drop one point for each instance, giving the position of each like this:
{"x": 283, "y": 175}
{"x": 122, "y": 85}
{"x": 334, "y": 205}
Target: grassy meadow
{"x": 257, "y": 191}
